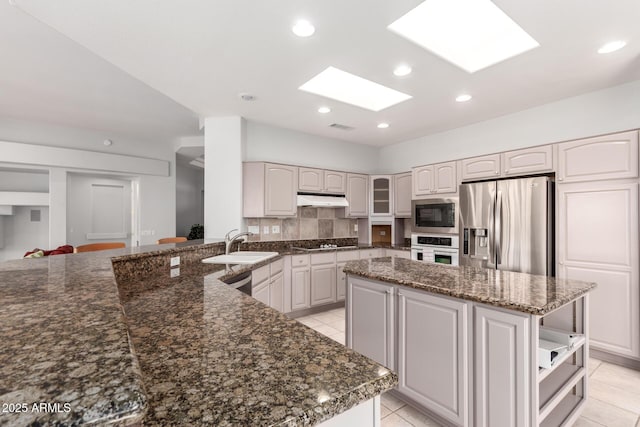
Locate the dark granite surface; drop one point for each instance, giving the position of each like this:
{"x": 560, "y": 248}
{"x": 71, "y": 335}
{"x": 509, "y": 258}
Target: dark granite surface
{"x": 212, "y": 355}
{"x": 516, "y": 291}
{"x": 206, "y": 354}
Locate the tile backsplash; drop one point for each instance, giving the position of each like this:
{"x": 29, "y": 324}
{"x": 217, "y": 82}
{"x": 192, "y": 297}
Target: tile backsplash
{"x": 311, "y": 223}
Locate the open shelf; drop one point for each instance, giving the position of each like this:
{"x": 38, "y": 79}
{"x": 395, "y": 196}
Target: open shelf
{"x": 554, "y": 384}
{"x": 544, "y": 373}
{"x": 564, "y": 411}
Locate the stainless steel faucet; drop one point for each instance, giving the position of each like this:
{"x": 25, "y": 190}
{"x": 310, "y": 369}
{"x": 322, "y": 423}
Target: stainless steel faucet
{"x": 229, "y": 240}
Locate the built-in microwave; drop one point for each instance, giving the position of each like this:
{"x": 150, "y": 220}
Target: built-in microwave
{"x": 434, "y": 216}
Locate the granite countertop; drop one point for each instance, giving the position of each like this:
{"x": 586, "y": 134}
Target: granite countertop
{"x": 200, "y": 352}
{"x": 210, "y": 354}
{"x": 516, "y": 291}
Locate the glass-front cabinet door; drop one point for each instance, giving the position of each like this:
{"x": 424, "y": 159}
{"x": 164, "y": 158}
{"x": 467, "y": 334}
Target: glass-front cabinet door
{"x": 381, "y": 195}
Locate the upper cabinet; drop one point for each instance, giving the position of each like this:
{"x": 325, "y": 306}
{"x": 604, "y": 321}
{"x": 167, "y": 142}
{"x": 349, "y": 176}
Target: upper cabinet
{"x": 510, "y": 163}
{"x": 402, "y": 195}
{"x": 321, "y": 181}
{"x": 529, "y": 160}
{"x": 480, "y": 167}
{"x": 437, "y": 179}
{"x": 381, "y": 195}
{"x": 604, "y": 157}
{"x": 269, "y": 190}
{"x": 357, "y": 195}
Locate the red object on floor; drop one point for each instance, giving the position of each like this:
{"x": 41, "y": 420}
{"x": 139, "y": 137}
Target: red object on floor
{"x": 64, "y": 249}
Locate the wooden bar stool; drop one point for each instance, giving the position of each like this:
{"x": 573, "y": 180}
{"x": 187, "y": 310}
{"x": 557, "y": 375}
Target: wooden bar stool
{"x": 172, "y": 240}
{"x": 91, "y": 247}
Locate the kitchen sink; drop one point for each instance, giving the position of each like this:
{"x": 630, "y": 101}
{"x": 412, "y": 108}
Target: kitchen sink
{"x": 241, "y": 257}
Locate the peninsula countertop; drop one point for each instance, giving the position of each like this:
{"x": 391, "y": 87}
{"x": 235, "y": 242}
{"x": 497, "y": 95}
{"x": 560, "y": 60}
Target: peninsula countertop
{"x": 200, "y": 352}
{"x": 527, "y": 293}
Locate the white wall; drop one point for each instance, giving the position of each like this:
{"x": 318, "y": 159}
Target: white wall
{"x": 18, "y": 180}
{"x": 21, "y": 235}
{"x": 273, "y": 144}
{"x": 606, "y": 111}
{"x": 189, "y": 203}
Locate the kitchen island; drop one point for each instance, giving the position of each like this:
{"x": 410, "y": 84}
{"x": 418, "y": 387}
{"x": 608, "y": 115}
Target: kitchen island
{"x": 464, "y": 340}
{"x": 162, "y": 350}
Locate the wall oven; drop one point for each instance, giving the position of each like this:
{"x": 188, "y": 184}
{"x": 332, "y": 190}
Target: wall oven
{"x": 434, "y": 249}
{"x": 434, "y": 216}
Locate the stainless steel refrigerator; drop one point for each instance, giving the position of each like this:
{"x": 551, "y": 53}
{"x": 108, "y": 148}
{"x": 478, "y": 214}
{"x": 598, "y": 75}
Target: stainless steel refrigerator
{"x": 508, "y": 225}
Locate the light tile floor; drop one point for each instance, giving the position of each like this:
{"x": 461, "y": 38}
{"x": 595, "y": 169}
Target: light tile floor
{"x": 614, "y": 391}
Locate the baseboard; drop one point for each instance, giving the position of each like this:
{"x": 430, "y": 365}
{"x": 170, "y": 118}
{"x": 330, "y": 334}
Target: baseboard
{"x": 314, "y": 310}
{"x": 615, "y": 359}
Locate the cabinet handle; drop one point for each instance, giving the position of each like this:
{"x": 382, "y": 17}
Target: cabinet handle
{"x": 389, "y": 291}
{"x": 561, "y": 263}
{"x": 400, "y": 294}
{"x": 497, "y": 172}
{"x": 560, "y": 179}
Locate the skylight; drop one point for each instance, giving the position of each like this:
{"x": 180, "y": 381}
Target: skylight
{"x": 472, "y": 34}
{"x": 351, "y": 89}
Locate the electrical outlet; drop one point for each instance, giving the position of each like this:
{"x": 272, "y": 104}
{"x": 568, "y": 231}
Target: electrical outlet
{"x": 275, "y": 229}
{"x": 175, "y": 260}
{"x": 355, "y": 227}
{"x": 265, "y": 229}
{"x": 175, "y": 272}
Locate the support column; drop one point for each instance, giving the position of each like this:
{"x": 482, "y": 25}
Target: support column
{"x": 224, "y": 142}
{"x": 57, "y": 207}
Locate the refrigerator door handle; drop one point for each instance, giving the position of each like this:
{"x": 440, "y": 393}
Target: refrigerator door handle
{"x": 491, "y": 232}
{"x": 498, "y": 232}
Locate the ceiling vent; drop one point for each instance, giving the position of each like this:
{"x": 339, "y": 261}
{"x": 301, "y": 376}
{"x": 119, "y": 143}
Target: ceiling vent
{"x": 341, "y": 127}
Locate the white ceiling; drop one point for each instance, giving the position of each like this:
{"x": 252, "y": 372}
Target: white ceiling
{"x": 202, "y": 53}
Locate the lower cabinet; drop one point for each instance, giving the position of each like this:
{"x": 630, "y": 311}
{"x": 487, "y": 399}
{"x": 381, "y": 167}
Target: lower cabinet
{"x": 300, "y": 288}
{"x": 323, "y": 284}
{"x": 276, "y": 292}
{"x": 432, "y": 362}
{"x": 341, "y": 281}
{"x": 260, "y": 292}
{"x": 370, "y": 320}
{"x": 502, "y": 368}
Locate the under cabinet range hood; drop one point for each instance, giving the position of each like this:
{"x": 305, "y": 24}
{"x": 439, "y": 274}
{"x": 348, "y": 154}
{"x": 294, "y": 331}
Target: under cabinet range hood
{"x": 322, "y": 200}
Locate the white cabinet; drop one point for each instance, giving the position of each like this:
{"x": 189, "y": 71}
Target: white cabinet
{"x": 310, "y": 180}
{"x": 381, "y": 195}
{"x": 480, "y": 167}
{"x": 321, "y": 181}
{"x": 527, "y": 161}
{"x": 335, "y": 182}
{"x": 261, "y": 292}
{"x": 370, "y": 320}
{"x": 370, "y": 253}
{"x": 430, "y": 180}
{"x": 402, "y": 195}
{"x": 276, "y": 292}
{"x": 323, "y": 278}
{"x": 342, "y": 257}
{"x": 269, "y": 190}
{"x": 357, "y": 195}
{"x": 300, "y": 282}
{"x": 598, "y": 242}
{"x": 510, "y": 163}
{"x": 433, "y": 361}
{"x": 397, "y": 253}
{"x": 604, "y": 157}
{"x": 502, "y": 368}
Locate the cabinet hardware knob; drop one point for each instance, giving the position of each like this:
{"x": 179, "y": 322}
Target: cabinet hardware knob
{"x": 561, "y": 263}
{"x": 497, "y": 172}
{"x": 389, "y": 291}
{"x": 560, "y": 179}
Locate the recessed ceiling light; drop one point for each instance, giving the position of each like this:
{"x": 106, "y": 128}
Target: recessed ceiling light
{"x": 324, "y": 110}
{"x": 472, "y": 34}
{"x": 303, "y": 28}
{"x": 612, "y": 46}
{"x": 463, "y": 98}
{"x": 383, "y": 125}
{"x": 402, "y": 70}
{"x": 351, "y": 89}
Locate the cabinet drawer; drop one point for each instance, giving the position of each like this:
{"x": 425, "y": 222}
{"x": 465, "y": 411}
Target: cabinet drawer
{"x": 299, "y": 260}
{"x": 323, "y": 258}
{"x": 347, "y": 255}
{"x": 277, "y": 266}
{"x": 370, "y": 253}
{"x": 260, "y": 274}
